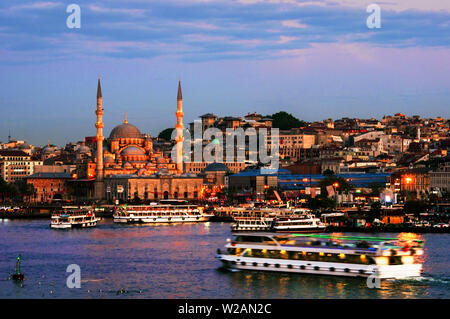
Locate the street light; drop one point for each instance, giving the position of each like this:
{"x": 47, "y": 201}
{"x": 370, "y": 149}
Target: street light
{"x": 335, "y": 185}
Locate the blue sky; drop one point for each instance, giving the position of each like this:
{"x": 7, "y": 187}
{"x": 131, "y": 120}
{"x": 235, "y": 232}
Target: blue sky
{"x": 315, "y": 59}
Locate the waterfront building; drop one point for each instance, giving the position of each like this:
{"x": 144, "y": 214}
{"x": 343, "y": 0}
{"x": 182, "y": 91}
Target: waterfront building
{"x": 415, "y": 181}
{"x": 440, "y": 179}
{"x": 292, "y": 141}
{"x": 69, "y": 168}
{"x": 214, "y": 174}
{"x": 15, "y": 165}
{"x": 161, "y": 185}
{"x": 50, "y": 186}
{"x": 256, "y": 181}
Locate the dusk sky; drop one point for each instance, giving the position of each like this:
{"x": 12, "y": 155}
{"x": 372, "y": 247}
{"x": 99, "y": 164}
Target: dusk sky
{"x": 314, "y": 59}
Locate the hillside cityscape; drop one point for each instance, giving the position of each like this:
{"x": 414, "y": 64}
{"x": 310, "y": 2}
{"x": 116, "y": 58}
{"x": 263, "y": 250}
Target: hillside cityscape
{"x": 349, "y": 162}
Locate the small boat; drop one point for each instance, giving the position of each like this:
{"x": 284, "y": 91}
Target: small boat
{"x": 73, "y": 218}
{"x": 324, "y": 255}
{"x": 160, "y": 214}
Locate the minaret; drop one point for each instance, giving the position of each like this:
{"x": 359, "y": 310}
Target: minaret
{"x": 99, "y": 125}
{"x": 179, "y": 127}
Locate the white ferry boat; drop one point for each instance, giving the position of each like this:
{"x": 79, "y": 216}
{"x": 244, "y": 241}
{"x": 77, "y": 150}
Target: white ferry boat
{"x": 324, "y": 254}
{"x": 73, "y": 218}
{"x": 155, "y": 214}
{"x": 251, "y": 224}
{"x": 303, "y": 222}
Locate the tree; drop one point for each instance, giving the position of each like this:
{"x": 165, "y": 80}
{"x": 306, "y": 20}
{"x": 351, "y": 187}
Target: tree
{"x": 320, "y": 202}
{"x": 376, "y": 188}
{"x": 24, "y": 189}
{"x": 415, "y": 207}
{"x": 343, "y": 185}
{"x": 375, "y": 211}
{"x": 166, "y": 134}
{"x": 270, "y": 192}
{"x": 285, "y": 121}
{"x": 328, "y": 172}
{"x": 375, "y": 208}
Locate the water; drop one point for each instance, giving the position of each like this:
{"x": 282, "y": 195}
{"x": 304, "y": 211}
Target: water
{"x": 177, "y": 261}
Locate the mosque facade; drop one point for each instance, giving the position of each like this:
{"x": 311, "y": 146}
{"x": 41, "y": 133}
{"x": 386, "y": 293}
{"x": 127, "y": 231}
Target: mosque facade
{"x": 127, "y": 167}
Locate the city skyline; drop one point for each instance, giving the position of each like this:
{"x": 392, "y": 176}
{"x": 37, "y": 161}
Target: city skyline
{"x": 125, "y": 116}
{"x": 110, "y": 126}
{"x": 315, "y": 60}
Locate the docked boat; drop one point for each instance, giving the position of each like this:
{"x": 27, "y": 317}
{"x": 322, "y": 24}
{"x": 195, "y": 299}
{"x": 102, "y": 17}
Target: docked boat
{"x": 324, "y": 254}
{"x": 156, "y": 214}
{"x": 73, "y": 218}
{"x": 303, "y": 222}
{"x": 237, "y": 212}
{"x": 252, "y": 224}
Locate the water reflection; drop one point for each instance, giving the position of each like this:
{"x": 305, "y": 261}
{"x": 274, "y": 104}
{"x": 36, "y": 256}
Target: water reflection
{"x": 177, "y": 261}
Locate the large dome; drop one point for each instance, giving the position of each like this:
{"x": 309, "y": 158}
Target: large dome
{"x": 125, "y": 130}
{"x": 133, "y": 150}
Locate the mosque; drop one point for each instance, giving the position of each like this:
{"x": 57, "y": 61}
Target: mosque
{"x": 126, "y": 166}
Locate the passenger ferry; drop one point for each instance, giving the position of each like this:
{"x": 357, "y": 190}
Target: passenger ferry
{"x": 299, "y": 222}
{"x": 155, "y": 214}
{"x": 73, "y": 218}
{"x": 324, "y": 254}
{"x": 276, "y": 220}
{"x": 252, "y": 224}
{"x": 237, "y": 212}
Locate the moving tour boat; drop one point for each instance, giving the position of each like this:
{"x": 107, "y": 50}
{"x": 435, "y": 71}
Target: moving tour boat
{"x": 155, "y": 214}
{"x": 73, "y": 218}
{"x": 324, "y": 254}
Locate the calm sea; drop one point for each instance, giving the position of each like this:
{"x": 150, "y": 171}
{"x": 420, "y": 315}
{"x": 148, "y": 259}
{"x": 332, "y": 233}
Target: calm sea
{"x": 177, "y": 261}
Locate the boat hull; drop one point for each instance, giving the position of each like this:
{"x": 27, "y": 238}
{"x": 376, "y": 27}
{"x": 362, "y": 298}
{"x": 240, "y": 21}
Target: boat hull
{"x": 74, "y": 225}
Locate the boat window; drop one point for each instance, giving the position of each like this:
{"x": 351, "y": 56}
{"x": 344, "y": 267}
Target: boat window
{"x": 395, "y": 260}
{"x": 294, "y": 255}
{"x": 286, "y": 241}
{"x": 363, "y": 244}
{"x": 274, "y": 254}
{"x": 251, "y": 239}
